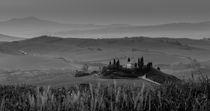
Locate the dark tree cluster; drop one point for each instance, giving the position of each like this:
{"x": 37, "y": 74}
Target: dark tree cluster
{"x": 115, "y": 65}
{"x": 137, "y": 69}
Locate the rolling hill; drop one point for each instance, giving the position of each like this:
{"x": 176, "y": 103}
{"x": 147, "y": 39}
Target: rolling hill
{"x": 47, "y": 44}
{"x": 179, "y": 57}
{"x": 9, "y": 38}
{"x": 160, "y": 50}
{"x": 176, "y": 30}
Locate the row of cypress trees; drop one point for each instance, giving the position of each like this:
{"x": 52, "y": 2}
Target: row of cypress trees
{"x": 139, "y": 66}
{"x": 116, "y": 63}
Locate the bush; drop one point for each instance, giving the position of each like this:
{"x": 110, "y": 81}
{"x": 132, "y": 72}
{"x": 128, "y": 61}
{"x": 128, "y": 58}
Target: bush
{"x": 81, "y": 73}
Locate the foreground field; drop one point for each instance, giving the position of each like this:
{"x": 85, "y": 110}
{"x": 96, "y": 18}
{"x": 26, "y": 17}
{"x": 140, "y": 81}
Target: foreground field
{"x": 188, "y": 96}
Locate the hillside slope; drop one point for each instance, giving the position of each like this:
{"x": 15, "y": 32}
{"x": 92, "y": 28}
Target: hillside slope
{"x": 102, "y": 49}
{"x": 173, "y": 56}
{"x": 6, "y": 38}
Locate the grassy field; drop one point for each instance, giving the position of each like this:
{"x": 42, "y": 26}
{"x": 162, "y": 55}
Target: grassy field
{"x": 187, "y": 96}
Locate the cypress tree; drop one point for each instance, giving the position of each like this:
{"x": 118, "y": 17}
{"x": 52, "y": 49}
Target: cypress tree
{"x": 118, "y": 64}
{"x": 149, "y": 66}
{"x": 142, "y": 60}
{"x": 129, "y": 59}
{"x": 114, "y": 61}
{"x": 138, "y": 63}
{"x": 114, "y": 66}
{"x": 135, "y": 65}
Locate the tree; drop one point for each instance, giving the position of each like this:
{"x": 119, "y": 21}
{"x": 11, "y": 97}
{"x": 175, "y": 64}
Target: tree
{"x": 158, "y": 68}
{"x": 142, "y": 60}
{"x": 118, "y": 64}
{"x": 129, "y": 59}
{"x": 114, "y": 61}
{"x": 110, "y": 63}
{"x": 141, "y": 63}
{"x": 114, "y": 64}
{"x": 149, "y": 65}
{"x": 135, "y": 65}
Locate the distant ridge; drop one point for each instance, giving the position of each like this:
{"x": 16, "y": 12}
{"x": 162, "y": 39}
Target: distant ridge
{"x": 28, "y": 21}
{"x": 55, "y": 43}
{"x": 32, "y": 26}
{"x": 177, "y": 30}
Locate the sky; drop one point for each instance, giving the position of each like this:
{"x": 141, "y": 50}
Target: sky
{"x": 136, "y": 12}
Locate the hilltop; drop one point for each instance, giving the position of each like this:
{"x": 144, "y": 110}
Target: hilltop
{"x": 138, "y": 69}
{"x": 6, "y": 38}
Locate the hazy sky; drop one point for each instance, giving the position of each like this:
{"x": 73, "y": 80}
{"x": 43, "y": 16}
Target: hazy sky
{"x": 141, "y": 12}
